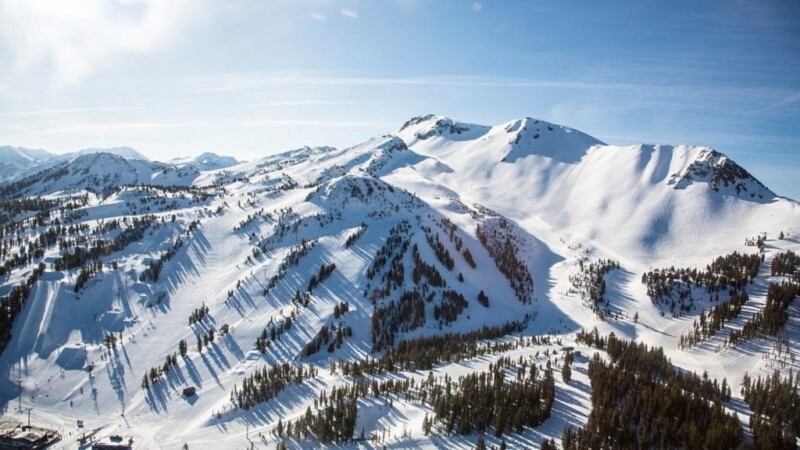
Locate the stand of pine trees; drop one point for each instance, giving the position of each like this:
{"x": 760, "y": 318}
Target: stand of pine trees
{"x": 674, "y": 287}
{"x": 706, "y": 326}
{"x": 775, "y": 403}
{"x": 785, "y": 263}
{"x": 423, "y": 352}
{"x": 450, "y": 230}
{"x": 590, "y": 283}
{"x": 441, "y": 252}
{"x": 639, "y": 400}
{"x": 80, "y": 256}
{"x": 771, "y": 319}
{"x": 325, "y": 271}
{"x": 353, "y": 238}
{"x": 508, "y": 404}
{"x": 501, "y": 247}
{"x": 11, "y": 305}
{"x": 331, "y": 338}
{"x": 405, "y": 314}
{"x": 262, "y": 386}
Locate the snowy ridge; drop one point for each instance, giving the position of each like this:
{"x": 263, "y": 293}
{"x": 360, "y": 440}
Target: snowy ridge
{"x": 100, "y": 172}
{"x": 206, "y": 161}
{"x": 15, "y": 160}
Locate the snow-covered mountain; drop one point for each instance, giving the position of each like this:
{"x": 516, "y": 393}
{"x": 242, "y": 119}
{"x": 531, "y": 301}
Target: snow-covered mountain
{"x": 315, "y": 259}
{"x": 15, "y": 160}
{"x": 206, "y": 161}
{"x": 53, "y": 160}
{"x": 98, "y": 172}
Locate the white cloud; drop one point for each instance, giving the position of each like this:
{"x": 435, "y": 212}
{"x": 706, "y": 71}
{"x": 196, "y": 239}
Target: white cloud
{"x": 71, "y": 40}
{"x": 317, "y": 16}
{"x": 349, "y": 13}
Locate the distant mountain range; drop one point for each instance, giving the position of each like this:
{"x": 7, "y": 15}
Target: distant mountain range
{"x": 19, "y": 162}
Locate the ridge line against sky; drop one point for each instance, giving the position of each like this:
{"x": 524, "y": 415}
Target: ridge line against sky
{"x": 173, "y": 78}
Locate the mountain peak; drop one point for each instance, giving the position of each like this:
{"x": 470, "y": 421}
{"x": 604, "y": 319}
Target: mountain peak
{"x": 531, "y": 136}
{"x": 425, "y": 127}
{"x": 722, "y": 175}
{"x": 206, "y": 161}
{"x": 125, "y": 152}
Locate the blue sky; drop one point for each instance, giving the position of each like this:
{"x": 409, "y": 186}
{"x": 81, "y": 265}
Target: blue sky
{"x": 247, "y": 78}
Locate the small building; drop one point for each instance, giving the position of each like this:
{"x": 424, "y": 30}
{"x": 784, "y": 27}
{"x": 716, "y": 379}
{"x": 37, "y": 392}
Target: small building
{"x": 189, "y": 391}
{"x": 14, "y": 435}
{"x": 114, "y": 442}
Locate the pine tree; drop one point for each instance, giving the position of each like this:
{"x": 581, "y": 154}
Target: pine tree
{"x": 549, "y": 444}
{"x": 566, "y": 372}
{"x": 481, "y": 444}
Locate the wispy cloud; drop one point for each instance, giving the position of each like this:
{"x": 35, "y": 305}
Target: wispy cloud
{"x": 291, "y": 103}
{"x": 349, "y": 13}
{"x": 317, "y": 16}
{"x": 71, "y": 39}
{"x": 233, "y": 82}
{"x": 68, "y": 111}
{"x": 144, "y": 126}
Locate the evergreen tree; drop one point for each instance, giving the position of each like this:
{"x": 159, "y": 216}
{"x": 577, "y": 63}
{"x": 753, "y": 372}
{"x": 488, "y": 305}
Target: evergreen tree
{"x": 566, "y": 373}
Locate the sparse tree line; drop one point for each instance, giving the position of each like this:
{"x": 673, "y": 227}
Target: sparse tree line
{"x": 296, "y": 253}
{"x": 198, "y": 314}
{"x": 325, "y": 271}
{"x": 500, "y": 241}
{"x": 260, "y": 214}
{"x": 590, "y": 283}
{"x": 451, "y": 230}
{"x": 154, "y": 374}
{"x": 355, "y": 236}
{"x": 285, "y": 226}
{"x": 639, "y": 400}
{"x": 423, "y": 353}
{"x": 10, "y": 208}
{"x": 276, "y": 330}
{"x": 263, "y": 385}
{"x": 706, "y": 326}
{"x": 441, "y": 252}
{"x": 330, "y": 338}
{"x": 134, "y": 232}
{"x": 771, "y": 319}
{"x": 72, "y": 236}
{"x": 153, "y": 270}
{"x": 675, "y": 287}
